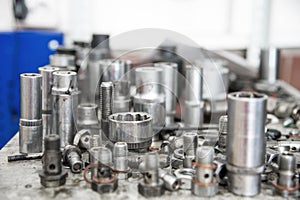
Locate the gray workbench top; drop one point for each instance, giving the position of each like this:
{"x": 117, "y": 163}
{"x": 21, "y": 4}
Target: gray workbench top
{"x": 20, "y": 180}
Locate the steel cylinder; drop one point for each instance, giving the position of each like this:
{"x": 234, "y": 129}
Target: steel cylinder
{"x": 47, "y": 83}
{"x": 245, "y": 146}
{"x": 134, "y": 128}
{"x": 170, "y": 87}
{"x": 121, "y": 96}
{"x": 193, "y": 103}
{"x": 286, "y": 168}
{"x": 63, "y": 61}
{"x": 65, "y": 102}
{"x": 150, "y": 95}
{"x": 31, "y": 129}
{"x": 87, "y": 115}
{"x": 190, "y": 144}
{"x": 269, "y": 64}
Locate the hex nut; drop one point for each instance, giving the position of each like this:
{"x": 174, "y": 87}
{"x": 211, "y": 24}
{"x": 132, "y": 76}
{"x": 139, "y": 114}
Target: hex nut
{"x": 151, "y": 190}
{"x": 53, "y": 180}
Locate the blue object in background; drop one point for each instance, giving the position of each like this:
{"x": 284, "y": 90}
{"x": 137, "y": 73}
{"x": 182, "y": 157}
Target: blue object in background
{"x": 20, "y": 52}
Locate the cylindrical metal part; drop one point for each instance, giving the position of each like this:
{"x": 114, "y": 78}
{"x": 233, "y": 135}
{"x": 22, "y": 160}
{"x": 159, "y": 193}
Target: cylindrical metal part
{"x": 170, "y": 86}
{"x": 134, "y": 128}
{"x": 105, "y": 104}
{"x": 95, "y": 140}
{"x": 120, "y": 160}
{"x": 190, "y": 144}
{"x": 150, "y": 97}
{"x": 245, "y": 149}
{"x": 63, "y": 61}
{"x": 269, "y": 64}
{"x": 193, "y": 104}
{"x": 52, "y": 174}
{"x": 47, "y": 83}
{"x": 215, "y": 79}
{"x": 151, "y": 167}
{"x": 121, "y": 97}
{"x": 72, "y": 158}
{"x": 87, "y": 115}
{"x": 223, "y": 122}
{"x": 287, "y": 168}
{"x": 65, "y": 102}
{"x": 171, "y": 182}
{"x": 100, "y": 156}
{"x": 31, "y": 128}
{"x": 204, "y": 184}
{"x": 107, "y": 70}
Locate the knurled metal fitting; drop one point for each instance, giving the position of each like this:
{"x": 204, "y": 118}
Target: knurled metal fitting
{"x": 72, "y": 158}
{"x": 204, "y": 184}
{"x": 151, "y": 185}
{"x": 52, "y": 175}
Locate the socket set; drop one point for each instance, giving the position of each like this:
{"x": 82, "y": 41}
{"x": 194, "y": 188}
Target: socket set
{"x": 170, "y": 125}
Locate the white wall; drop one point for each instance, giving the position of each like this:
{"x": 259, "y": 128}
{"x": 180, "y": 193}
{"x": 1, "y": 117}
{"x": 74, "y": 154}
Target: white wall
{"x": 210, "y": 23}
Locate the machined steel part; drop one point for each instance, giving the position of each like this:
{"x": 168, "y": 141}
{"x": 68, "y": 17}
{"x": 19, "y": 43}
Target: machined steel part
{"x": 63, "y": 61}
{"x": 204, "y": 184}
{"x": 193, "y": 101}
{"x": 150, "y": 97}
{"x": 87, "y": 117}
{"x": 107, "y": 70}
{"x": 287, "y": 185}
{"x": 151, "y": 185}
{"x": 223, "y": 122}
{"x": 52, "y": 175}
{"x": 72, "y": 158}
{"x": 170, "y": 86}
{"x": 31, "y": 127}
{"x": 134, "y": 128}
{"x": 65, "y": 102}
{"x": 105, "y": 104}
{"x": 190, "y": 144}
{"x": 171, "y": 182}
{"x": 103, "y": 179}
{"x": 245, "y": 145}
{"x": 47, "y": 83}
{"x": 185, "y": 176}
{"x": 121, "y": 96}
{"x": 82, "y": 139}
{"x": 120, "y": 160}
{"x": 269, "y": 65}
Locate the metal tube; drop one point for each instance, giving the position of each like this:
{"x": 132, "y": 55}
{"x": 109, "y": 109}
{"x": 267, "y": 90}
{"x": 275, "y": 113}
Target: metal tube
{"x": 269, "y": 65}
{"x": 245, "y": 149}
{"x": 31, "y": 128}
{"x": 150, "y": 97}
{"x": 63, "y": 61}
{"x": 170, "y": 84}
{"x": 65, "y": 101}
{"x": 47, "y": 83}
{"x": 193, "y": 104}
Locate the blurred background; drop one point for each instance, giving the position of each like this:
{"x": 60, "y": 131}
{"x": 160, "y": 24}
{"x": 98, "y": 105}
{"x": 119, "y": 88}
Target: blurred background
{"x": 31, "y": 30}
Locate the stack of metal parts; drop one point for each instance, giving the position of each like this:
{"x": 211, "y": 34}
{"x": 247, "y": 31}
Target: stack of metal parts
{"x": 112, "y": 135}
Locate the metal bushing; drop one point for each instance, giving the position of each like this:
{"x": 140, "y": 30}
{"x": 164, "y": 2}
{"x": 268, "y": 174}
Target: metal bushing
{"x": 120, "y": 161}
{"x": 134, "y": 128}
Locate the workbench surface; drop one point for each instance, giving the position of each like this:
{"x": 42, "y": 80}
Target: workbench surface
{"x": 20, "y": 180}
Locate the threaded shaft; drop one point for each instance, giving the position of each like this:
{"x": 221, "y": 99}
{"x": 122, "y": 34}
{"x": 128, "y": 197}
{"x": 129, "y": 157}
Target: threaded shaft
{"x": 106, "y": 92}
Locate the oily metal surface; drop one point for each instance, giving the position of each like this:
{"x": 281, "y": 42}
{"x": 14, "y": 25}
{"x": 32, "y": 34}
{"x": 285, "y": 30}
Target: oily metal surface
{"x": 20, "y": 180}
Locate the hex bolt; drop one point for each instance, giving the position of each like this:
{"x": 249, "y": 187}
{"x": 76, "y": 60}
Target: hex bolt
{"x": 204, "y": 184}
{"x": 105, "y": 105}
{"x": 72, "y": 158}
{"x": 103, "y": 179}
{"x": 287, "y": 185}
{"x": 120, "y": 160}
{"x": 151, "y": 185}
{"x": 31, "y": 128}
{"x": 223, "y": 121}
{"x": 52, "y": 175}
{"x": 190, "y": 144}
